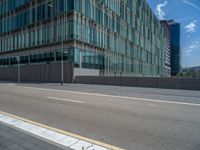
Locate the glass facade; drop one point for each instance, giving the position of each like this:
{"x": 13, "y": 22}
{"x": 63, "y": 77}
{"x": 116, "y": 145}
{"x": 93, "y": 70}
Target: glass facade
{"x": 167, "y": 49}
{"x": 175, "y": 47}
{"x": 116, "y": 37}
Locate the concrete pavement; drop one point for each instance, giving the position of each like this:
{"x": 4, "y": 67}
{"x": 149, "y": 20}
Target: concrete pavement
{"x": 12, "y": 139}
{"x": 121, "y": 116}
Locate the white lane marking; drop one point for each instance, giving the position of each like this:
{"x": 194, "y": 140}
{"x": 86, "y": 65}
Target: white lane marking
{"x": 9, "y": 84}
{"x": 68, "y": 100}
{"x": 111, "y": 99}
{"x": 112, "y": 96}
{"x": 59, "y": 138}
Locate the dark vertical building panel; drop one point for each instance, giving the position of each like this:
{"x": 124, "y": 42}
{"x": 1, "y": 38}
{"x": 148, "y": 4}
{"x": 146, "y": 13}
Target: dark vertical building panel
{"x": 175, "y": 47}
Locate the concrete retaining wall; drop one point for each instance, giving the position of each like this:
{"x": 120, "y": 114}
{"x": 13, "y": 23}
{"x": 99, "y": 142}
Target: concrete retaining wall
{"x": 166, "y": 83}
{"x": 38, "y": 73}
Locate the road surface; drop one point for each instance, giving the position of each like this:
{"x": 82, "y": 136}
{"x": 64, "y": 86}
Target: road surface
{"x": 130, "y": 118}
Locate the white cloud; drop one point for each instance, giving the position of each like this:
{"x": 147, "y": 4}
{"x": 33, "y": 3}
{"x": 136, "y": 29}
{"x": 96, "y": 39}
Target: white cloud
{"x": 191, "y": 4}
{"x": 159, "y": 11}
{"x": 191, "y": 27}
{"x": 193, "y": 46}
{"x": 188, "y": 51}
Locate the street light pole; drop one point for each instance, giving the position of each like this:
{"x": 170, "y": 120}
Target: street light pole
{"x": 62, "y": 61}
{"x": 62, "y": 41}
{"x": 18, "y": 69}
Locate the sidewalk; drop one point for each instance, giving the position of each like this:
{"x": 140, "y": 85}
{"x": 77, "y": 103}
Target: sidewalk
{"x": 12, "y": 139}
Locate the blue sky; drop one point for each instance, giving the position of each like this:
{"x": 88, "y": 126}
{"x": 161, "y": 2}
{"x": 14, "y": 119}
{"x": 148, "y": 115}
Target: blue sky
{"x": 187, "y": 12}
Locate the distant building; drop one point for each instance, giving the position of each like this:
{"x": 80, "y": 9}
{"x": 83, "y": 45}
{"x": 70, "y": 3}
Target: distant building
{"x": 175, "y": 47}
{"x": 167, "y": 48}
{"x": 193, "y": 69}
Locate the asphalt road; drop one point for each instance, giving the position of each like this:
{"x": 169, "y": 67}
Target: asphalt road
{"x": 131, "y": 118}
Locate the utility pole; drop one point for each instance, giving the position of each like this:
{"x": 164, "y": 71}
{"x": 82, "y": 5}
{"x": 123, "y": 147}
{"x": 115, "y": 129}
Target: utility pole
{"x": 18, "y": 69}
{"x": 62, "y": 40}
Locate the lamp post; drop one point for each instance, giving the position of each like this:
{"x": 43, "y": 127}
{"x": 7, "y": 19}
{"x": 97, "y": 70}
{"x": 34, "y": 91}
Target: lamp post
{"x": 18, "y": 69}
{"x": 62, "y": 40}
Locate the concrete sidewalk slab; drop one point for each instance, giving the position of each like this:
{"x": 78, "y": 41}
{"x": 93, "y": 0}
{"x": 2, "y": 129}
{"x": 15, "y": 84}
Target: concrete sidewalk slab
{"x": 12, "y": 139}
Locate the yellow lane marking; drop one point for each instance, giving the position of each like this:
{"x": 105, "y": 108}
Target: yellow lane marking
{"x": 65, "y": 132}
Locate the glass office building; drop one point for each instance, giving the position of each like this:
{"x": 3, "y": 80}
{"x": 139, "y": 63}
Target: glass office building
{"x": 175, "y": 47}
{"x": 167, "y": 48}
{"x": 101, "y": 37}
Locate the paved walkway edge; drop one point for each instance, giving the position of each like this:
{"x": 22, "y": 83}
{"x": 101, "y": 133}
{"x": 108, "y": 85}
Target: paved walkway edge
{"x": 57, "y": 136}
